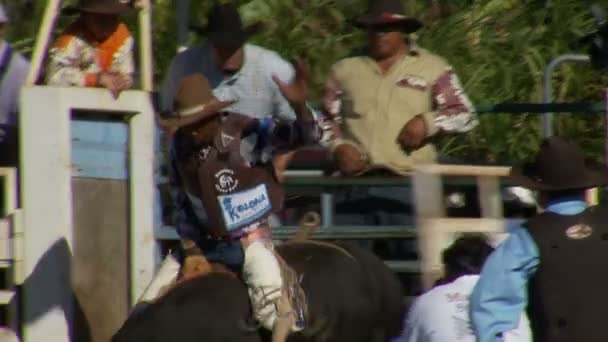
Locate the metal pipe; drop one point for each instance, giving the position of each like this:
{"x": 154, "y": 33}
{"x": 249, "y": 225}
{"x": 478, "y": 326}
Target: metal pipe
{"x": 327, "y": 210}
{"x": 183, "y": 18}
{"x": 547, "y": 118}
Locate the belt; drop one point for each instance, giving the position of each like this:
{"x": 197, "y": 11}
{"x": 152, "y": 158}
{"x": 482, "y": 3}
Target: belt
{"x": 261, "y": 231}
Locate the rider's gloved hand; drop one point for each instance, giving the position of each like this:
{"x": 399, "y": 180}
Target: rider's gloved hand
{"x": 194, "y": 266}
{"x": 195, "y": 263}
{"x": 262, "y": 274}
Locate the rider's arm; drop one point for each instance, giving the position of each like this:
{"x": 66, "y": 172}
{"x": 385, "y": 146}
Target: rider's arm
{"x": 303, "y": 120}
{"x": 453, "y": 111}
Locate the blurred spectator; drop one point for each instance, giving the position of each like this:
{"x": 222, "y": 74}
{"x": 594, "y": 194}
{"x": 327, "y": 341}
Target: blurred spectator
{"x": 384, "y": 106}
{"x": 392, "y": 98}
{"x": 13, "y": 73}
{"x": 442, "y": 314}
{"x": 96, "y": 50}
{"x": 238, "y": 71}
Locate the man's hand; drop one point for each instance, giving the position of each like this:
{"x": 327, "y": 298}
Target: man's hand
{"x": 296, "y": 92}
{"x": 194, "y": 266}
{"x": 349, "y": 159}
{"x": 413, "y": 133}
{"x": 114, "y": 82}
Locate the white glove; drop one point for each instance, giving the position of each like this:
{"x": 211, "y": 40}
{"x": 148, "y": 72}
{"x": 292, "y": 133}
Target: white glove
{"x": 262, "y": 274}
{"x": 166, "y": 275}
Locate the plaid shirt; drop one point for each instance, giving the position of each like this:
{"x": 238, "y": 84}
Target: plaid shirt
{"x": 257, "y": 96}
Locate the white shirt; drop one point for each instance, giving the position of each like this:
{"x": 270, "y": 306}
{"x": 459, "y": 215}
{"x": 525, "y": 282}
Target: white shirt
{"x": 252, "y": 85}
{"x": 442, "y": 315}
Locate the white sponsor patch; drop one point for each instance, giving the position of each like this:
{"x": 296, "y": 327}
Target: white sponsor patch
{"x": 225, "y": 181}
{"x": 243, "y": 208}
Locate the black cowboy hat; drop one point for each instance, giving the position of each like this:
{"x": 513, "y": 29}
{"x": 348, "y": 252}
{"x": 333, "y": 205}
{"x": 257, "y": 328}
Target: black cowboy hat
{"x": 225, "y": 27}
{"x": 387, "y": 14}
{"x": 559, "y": 166}
{"x": 101, "y": 7}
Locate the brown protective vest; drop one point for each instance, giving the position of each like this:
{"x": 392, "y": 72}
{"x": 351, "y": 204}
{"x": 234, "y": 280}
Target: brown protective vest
{"x": 568, "y": 295}
{"x": 235, "y": 194}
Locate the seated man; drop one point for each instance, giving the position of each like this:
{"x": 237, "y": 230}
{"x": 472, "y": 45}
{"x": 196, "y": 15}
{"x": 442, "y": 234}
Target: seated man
{"x": 442, "y": 314}
{"x": 224, "y": 203}
{"x": 386, "y": 104}
{"x": 96, "y": 50}
{"x": 393, "y": 98}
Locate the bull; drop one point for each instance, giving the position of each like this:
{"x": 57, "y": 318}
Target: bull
{"x": 352, "y": 296}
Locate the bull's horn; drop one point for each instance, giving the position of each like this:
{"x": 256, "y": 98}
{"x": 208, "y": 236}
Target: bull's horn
{"x": 308, "y": 224}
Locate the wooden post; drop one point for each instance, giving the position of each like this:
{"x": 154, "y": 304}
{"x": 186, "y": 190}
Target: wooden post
{"x": 428, "y": 196}
{"x": 145, "y": 41}
{"x": 490, "y": 199}
{"x": 42, "y": 41}
{"x": 434, "y": 230}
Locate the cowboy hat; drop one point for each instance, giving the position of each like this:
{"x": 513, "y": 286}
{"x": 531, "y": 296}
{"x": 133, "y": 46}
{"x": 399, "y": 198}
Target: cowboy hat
{"x": 559, "y": 166}
{"x": 115, "y": 7}
{"x": 193, "y": 96}
{"x": 387, "y": 13}
{"x": 193, "y": 93}
{"x": 225, "y": 27}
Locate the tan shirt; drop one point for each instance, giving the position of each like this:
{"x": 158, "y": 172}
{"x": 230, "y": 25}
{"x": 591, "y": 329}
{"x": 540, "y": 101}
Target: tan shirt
{"x": 373, "y": 107}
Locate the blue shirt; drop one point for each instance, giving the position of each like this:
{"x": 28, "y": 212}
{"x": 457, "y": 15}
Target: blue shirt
{"x": 501, "y": 294}
{"x": 10, "y": 86}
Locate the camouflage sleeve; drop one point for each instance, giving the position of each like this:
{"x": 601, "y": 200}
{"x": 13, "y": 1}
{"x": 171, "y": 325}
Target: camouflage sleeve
{"x": 453, "y": 111}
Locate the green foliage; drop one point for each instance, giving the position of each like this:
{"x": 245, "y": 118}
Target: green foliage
{"x": 498, "y": 47}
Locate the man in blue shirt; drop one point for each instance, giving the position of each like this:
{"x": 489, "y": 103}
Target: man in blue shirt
{"x": 13, "y": 73}
{"x": 552, "y": 265}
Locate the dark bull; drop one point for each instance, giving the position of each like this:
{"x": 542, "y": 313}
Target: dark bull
{"x": 352, "y": 296}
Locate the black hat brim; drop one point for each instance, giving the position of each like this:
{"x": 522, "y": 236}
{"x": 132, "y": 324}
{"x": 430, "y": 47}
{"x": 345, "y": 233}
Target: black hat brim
{"x": 227, "y": 39}
{"x": 114, "y": 9}
{"x": 594, "y": 175}
{"x": 404, "y": 24}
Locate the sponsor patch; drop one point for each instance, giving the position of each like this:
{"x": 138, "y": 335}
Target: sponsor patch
{"x": 225, "y": 181}
{"x": 414, "y": 82}
{"x": 226, "y": 139}
{"x": 242, "y": 208}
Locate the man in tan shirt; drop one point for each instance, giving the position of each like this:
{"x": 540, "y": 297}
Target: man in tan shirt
{"x": 387, "y": 102}
{"x": 384, "y": 105}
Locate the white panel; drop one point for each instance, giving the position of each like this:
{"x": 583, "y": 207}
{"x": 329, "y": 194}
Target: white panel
{"x": 46, "y": 199}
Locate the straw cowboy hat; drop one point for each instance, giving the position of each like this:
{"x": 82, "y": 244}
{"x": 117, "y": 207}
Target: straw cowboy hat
{"x": 387, "y": 13}
{"x": 116, "y": 7}
{"x": 193, "y": 93}
{"x": 194, "y": 96}
{"x": 559, "y": 166}
{"x": 225, "y": 27}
